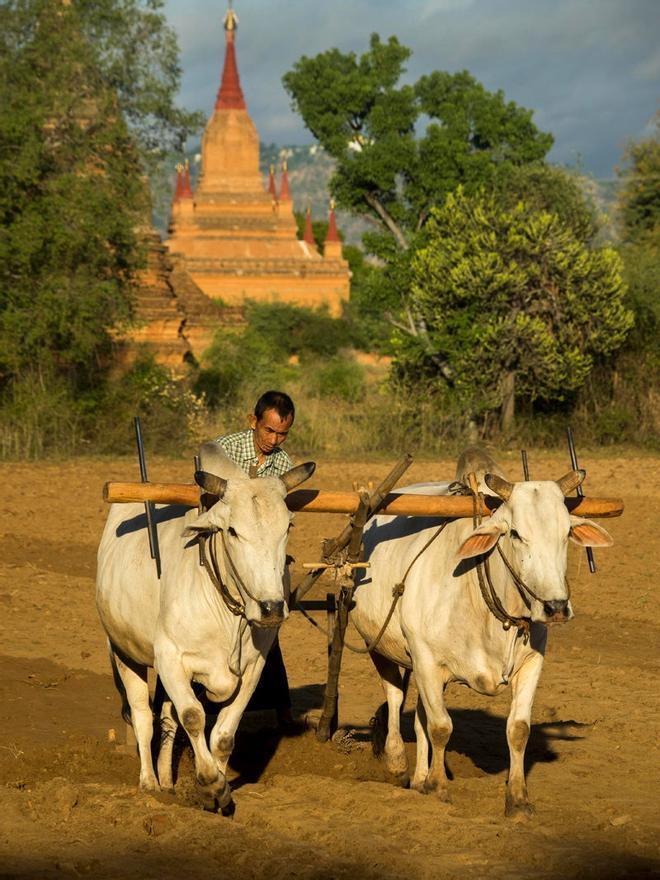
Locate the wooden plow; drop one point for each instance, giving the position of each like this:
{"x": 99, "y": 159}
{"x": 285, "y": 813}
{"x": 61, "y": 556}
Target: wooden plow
{"x": 342, "y": 553}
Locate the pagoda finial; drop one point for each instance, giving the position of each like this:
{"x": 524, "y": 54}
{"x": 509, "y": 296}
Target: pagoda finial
{"x": 332, "y": 234}
{"x": 230, "y": 94}
{"x": 230, "y": 20}
{"x": 272, "y": 189}
{"x": 284, "y": 185}
{"x": 308, "y": 235}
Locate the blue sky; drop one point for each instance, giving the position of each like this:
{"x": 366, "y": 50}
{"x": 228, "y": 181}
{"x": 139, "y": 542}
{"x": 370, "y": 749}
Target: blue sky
{"x": 590, "y": 69}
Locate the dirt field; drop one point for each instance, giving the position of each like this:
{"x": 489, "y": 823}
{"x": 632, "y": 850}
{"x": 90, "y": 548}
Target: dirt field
{"x": 69, "y": 804}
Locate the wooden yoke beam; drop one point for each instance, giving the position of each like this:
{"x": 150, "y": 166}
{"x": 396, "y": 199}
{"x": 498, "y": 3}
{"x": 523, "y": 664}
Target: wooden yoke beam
{"x": 383, "y": 501}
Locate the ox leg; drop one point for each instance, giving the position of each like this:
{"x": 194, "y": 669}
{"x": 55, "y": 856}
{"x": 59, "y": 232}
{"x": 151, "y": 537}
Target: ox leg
{"x": 168, "y": 729}
{"x": 523, "y": 687}
{"x": 422, "y": 762}
{"x": 229, "y": 717}
{"x": 133, "y": 678}
{"x": 394, "y": 686}
{"x": 431, "y": 681}
{"x": 212, "y": 784}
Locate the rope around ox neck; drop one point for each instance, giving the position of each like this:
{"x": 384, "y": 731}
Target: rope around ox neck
{"x": 397, "y": 592}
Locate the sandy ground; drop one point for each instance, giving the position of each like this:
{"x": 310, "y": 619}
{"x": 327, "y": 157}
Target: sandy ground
{"x": 69, "y": 804}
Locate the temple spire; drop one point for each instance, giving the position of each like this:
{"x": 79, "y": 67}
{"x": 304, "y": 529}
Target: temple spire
{"x": 179, "y": 182}
{"x": 230, "y": 94}
{"x": 332, "y": 234}
{"x": 186, "y": 190}
{"x": 284, "y": 185}
{"x": 332, "y": 244}
{"x": 272, "y": 189}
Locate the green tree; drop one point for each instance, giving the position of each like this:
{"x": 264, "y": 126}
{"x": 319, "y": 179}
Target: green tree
{"x": 514, "y": 303}
{"x": 640, "y": 195}
{"x": 86, "y": 91}
{"x": 401, "y": 149}
{"x": 387, "y": 168}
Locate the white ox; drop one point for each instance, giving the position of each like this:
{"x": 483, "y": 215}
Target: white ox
{"x": 182, "y": 626}
{"x": 442, "y": 628}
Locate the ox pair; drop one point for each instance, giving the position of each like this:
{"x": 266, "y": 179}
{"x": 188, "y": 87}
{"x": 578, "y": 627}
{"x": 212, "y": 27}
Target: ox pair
{"x": 183, "y": 625}
{"x": 443, "y": 629}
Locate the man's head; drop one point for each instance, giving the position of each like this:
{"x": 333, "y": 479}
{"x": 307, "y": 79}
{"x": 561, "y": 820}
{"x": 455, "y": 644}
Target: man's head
{"x": 273, "y": 416}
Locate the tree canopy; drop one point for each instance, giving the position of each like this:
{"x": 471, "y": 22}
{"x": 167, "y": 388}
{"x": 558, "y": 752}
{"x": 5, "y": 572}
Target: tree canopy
{"x": 640, "y": 196}
{"x": 513, "y": 302}
{"x": 400, "y": 149}
{"x": 79, "y": 112}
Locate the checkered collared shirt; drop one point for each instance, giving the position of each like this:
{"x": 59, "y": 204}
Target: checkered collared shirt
{"x": 240, "y": 448}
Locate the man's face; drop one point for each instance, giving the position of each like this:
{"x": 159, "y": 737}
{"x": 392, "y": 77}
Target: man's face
{"x": 270, "y": 431}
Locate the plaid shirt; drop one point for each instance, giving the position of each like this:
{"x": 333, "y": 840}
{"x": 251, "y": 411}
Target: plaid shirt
{"x": 240, "y": 448}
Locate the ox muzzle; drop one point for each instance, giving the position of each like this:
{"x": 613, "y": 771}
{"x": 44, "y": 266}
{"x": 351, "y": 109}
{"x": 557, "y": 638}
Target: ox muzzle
{"x": 557, "y": 611}
{"x": 272, "y": 614}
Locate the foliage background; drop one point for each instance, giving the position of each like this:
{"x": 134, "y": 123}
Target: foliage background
{"x": 415, "y": 362}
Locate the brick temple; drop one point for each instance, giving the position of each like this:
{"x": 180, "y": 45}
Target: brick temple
{"x": 233, "y": 235}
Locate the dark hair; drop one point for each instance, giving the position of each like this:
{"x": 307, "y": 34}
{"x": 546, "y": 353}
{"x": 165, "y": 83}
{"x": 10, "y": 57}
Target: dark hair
{"x": 277, "y": 400}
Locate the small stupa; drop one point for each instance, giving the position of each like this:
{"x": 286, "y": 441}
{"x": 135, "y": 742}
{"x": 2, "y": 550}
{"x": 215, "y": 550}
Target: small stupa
{"x": 235, "y": 237}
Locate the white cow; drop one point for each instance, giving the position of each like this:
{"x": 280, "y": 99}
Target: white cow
{"x": 182, "y": 626}
{"x": 442, "y": 628}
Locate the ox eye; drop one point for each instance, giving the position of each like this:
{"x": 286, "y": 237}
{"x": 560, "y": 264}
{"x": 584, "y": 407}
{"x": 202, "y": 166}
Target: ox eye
{"x": 232, "y": 532}
{"x": 514, "y": 534}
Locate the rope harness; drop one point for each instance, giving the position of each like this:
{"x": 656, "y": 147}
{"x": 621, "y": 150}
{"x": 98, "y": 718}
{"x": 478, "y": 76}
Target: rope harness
{"x": 236, "y": 606}
{"x": 488, "y": 592}
{"x": 486, "y": 586}
{"x": 397, "y": 592}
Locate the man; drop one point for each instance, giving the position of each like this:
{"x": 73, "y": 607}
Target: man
{"x": 258, "y": 451}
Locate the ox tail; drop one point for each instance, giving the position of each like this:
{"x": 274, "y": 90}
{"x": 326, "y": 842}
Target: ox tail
{"x": 119, "y": 684}
{"x": 380, "y": 722}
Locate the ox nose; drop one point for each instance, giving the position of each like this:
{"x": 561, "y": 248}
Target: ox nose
{"x": 272, "y": 609}
{"x": 556, "y": 608}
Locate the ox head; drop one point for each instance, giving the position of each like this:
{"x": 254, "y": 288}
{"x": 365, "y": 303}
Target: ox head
{"x": 536, "y": 527}
{"x": 255, "y": 522}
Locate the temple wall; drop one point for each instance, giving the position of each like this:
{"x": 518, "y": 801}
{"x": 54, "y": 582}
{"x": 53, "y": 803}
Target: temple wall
{"x": 304, "y": 290}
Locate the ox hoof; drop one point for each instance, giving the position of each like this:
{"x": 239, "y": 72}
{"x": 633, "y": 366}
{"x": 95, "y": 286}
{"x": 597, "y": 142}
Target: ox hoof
{"x": 150, "y": 785}
{"x": 519, "y": 811}
{"x": 229, "y": 809}
{"x": 439, "y": 792}
{"x": 400, "y": 779}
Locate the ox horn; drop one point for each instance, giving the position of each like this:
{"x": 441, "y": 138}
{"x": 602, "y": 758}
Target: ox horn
{"x": 211, "y": 483}
{"x": 571, "y": 480}
{"x": 499, "y": 485}
{"x": 298, "y": 475}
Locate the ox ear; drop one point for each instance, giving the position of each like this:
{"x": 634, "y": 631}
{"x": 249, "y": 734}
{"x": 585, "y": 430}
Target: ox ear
{"x": 482, "y": 539}
{"x": 499, "y": 486}
{"x": 570, "y": 481}
{"x": 298, "y": 475}
{"x": 588, "y": 534}
{"x": 203, "y": 523}
{"x": 210, "y": 483}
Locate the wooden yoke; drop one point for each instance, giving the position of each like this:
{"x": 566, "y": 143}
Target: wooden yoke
{"x": 383, "y": 501}
{"x": 329, "y": 716}
{"x": 345, "y": 548}
{"x": 336, "y": 545}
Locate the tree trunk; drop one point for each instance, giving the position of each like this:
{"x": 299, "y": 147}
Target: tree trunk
{"x": 508, "y": 400}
